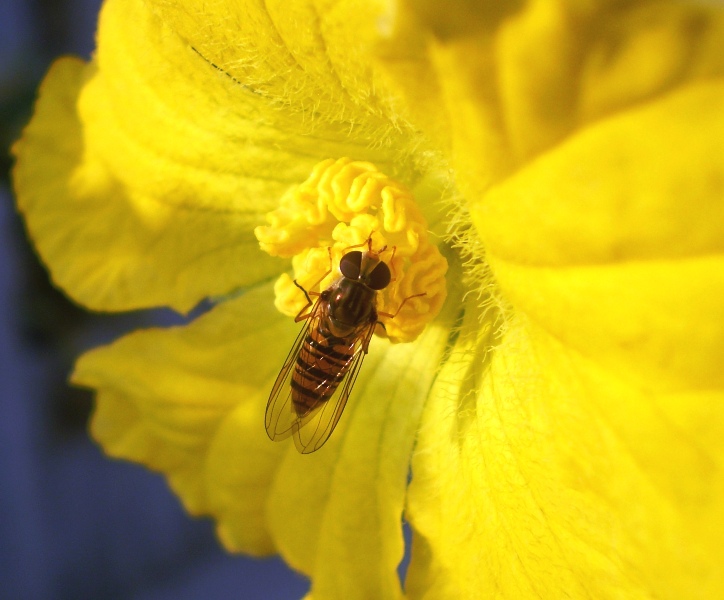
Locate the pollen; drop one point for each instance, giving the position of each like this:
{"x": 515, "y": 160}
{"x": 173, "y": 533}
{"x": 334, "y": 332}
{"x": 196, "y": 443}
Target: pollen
{"x": 345, "y": 203}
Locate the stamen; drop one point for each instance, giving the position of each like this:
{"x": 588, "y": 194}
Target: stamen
{"x": 344, "y": 203}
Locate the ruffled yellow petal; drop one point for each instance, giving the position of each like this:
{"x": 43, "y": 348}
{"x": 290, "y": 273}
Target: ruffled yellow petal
{"x": 588, "y": 463}
{"x": 337, "y": 517}
{"x": 167, "y": 164}
{"x": 510, "y": 82}
{"x": 189, "y": 402}
{"x": 622, "y": 255}
{"x": 560, "y": 478}
{"x": 641, "y": 185}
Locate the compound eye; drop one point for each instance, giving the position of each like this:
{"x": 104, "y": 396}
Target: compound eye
{"x": 351, "y": 264}
{"x": 380, "y": 277}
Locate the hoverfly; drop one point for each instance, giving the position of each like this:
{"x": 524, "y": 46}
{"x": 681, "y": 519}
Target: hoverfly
{"x": 317, "y": 377}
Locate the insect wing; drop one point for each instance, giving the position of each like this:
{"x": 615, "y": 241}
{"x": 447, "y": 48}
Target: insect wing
{"x": 281, "y": 417}
{"x": 311, "y": 432}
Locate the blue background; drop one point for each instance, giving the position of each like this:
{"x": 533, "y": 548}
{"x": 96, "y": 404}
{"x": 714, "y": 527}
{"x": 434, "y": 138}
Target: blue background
{"x": 74, "y": 524}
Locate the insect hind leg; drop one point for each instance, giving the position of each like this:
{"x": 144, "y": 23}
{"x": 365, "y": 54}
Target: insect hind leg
{"x": 399, "y": 308}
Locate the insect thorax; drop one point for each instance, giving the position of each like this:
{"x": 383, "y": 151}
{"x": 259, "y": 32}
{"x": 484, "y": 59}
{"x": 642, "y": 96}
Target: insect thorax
{"x": 351, "y": 304}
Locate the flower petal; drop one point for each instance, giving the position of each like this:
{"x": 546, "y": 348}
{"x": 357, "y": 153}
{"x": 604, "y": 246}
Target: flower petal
{"x": 589, "y": 464}
{"x": 562, "y": 478}
{"x": 165, "y": 164}
{"x": 642, "y": 184}
{"x": 189, "y": 402}
{"x": 514, "y": 81}
{"x": 614, "y": 241}
{"x": 336, "y": 516}
{"x": 320, "y": 71}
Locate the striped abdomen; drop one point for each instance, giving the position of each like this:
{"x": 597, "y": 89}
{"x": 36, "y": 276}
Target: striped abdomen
{"x": 321, "y": 364}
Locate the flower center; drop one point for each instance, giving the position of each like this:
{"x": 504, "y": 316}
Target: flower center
{"x": 345, "y": 204}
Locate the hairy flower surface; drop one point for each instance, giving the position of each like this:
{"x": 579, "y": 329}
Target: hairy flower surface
{"x": 550, "y": 175}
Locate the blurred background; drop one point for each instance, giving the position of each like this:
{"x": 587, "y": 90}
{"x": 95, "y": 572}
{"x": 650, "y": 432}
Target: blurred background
{"x": 74, "y": 524}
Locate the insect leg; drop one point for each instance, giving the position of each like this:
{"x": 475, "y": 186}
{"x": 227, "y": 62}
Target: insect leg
{"x": 367, "y": 242}
{"x": 392, "y": 264}
{"x": 399, "y": 308}
{"x": 301, "y": 316}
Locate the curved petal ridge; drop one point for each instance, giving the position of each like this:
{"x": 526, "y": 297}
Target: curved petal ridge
{"x": 189, "y": 402}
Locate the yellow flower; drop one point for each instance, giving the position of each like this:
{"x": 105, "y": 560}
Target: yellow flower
{"x": 563, "y": 415}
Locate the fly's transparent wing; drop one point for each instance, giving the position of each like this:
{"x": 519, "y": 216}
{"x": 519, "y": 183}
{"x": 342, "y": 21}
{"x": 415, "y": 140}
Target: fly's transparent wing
{"x": 313, "y": 428}
{"x": 280, "y": 415}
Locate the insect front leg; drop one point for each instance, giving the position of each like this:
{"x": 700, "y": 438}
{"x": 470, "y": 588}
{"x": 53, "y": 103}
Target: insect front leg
{"x": 307, "y": 294}
{"x": 301, "y": 316}
{"x": 367, "y": 242}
